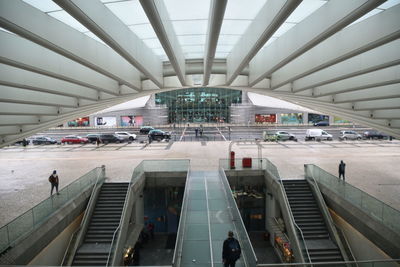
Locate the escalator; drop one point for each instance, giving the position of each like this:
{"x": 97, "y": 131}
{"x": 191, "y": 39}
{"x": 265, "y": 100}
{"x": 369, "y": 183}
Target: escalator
{"x": 103, "y": 222}
{"x": 321, "y": 246}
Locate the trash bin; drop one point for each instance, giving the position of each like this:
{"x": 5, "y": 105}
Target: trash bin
{"x": 246, "y": 162}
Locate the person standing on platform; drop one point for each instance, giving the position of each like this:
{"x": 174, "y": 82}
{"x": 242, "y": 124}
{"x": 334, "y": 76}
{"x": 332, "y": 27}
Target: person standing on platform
{"x": 231, "y": 251}
{"x": 53, "y": 179}
{"x": 342, "y": 167}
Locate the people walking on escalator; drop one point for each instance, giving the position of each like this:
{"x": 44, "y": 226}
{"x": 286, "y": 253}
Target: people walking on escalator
{"x": 231, "y": 251}
{"x": 53, "y": 179}
{"x": 342, "y": 167}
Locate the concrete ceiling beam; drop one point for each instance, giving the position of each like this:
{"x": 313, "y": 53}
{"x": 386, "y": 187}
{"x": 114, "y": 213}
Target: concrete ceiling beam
{"x": 158, "y": 16}
{"x": 217, "y": 11}
{"x": 317, "y": 27}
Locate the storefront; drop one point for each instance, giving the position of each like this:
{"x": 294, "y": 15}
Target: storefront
{"x": 313, "y": 118}
{"x": 199, "y": 104}
{"x": 265, "y": 118}
{"x": 106, "y": 121}
{"x": 79, "y": 122}
{"x": 292, "y": 118}
{"x": 131, "y": 120}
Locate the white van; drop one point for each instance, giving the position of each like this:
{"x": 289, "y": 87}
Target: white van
{"x": 317, "y": 134}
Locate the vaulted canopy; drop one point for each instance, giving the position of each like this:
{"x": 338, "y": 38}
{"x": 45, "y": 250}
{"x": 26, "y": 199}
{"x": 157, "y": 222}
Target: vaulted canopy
{"x": 64, "y": 59}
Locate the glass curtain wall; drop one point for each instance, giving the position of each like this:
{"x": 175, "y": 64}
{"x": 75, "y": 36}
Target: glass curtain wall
{"x": 199, "y": 104}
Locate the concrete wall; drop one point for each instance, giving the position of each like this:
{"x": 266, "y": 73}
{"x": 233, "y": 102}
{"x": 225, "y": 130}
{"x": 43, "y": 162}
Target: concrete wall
{"x": 374, "y": 230}
{"x": 32, "y": 245}
{"x": 362, "y": 248}
{"x": 53, "y": 253}
{"x": 246, "y": 113}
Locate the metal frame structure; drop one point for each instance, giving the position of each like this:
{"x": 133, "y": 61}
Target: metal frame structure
{"x": 51, "y": 72}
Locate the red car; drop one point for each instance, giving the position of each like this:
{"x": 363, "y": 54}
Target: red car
{"x": 74, "y": 139}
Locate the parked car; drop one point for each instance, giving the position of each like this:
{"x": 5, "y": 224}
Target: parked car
{"x": 373, "y": 134}
{"x": 283, "y": 136}
{"x": 43, "y": 140}
{"x": 321, "y": 123}
{"x": 145, "y": 129}
{"x": 74, "y": 139}
{"x": 159, "y": 135}
{"x": 92, "y": 137}
{"x": 352, "y": 135}
{"x": 269, "y": 136}
{"x": 317, "y": 134}
{"x": 110, "y": 138}
{"x": 126, "y": 136}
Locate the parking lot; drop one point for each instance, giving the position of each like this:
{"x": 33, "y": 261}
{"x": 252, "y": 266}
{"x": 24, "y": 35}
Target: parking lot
{"x": 208, "y": 137}
{"x": 214, "y": 133}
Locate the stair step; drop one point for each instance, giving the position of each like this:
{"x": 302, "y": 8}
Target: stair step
{"x": 313, "y": 237}
{"x": 98, "y": 240}
{"x": 91, "y": 256}
{"x": 323, "y": 252}
{"x": 304, "y": 220}
{"x": 325, "y": 258}
{"x": 89, "y": 262}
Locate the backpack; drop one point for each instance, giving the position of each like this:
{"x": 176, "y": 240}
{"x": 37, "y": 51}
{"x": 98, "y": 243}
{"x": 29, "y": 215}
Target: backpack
{"x": 234, "y": 249}
{"x": 52, "y": 179}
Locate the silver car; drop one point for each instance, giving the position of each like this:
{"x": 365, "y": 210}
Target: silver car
{"x": 349, "y": 135}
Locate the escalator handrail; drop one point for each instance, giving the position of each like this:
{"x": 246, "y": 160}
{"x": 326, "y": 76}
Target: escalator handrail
{"x": 329, "y": 218}
{"x": 286, "y": 201}
{"x": 85, "y": 217}
{"x": 226, "y": 183}
{"x": 121, "y": 220}
{"x": 182, "y": 222}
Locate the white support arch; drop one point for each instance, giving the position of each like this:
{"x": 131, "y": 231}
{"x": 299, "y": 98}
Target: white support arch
{"x": 268, "y": 20}
{"x": 381, "y": 57}
{"x": 378, "y": 78}
{"x": 159, "y": 19}
{"x": 11, "y": 76}
{"x": 24, "y": 54}
{"x": 217, "y": 10}
{"x": 370, "y": 33}
{"x": 102, "y": 22}
{"x": 29, "y": 22}
{"x": 379, "y": 104}
{"x": 326, "y": 21}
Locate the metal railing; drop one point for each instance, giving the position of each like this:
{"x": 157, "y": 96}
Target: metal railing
{"x": 327, "y": 216}
{"x": 113, "y": 244}
{"x": 369, "y": 204}
{"x": 176, "y": 260}
{"x": 34, "y": 217}
{"x": 287, "y": 204}
{"x": 257, "y": 164}
{"x": 74, "y": 241}
{"x": 363, "y": 263}
{"x": 144, "y": 166}
{"x": 265, "y": 164}
{"x": 247, "y": 248}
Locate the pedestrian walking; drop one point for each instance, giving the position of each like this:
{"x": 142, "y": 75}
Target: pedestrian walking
{"x": 53, "y": 179}
{"x": 342, "y": 167}
{"x": 231, "y": 251}
{"x": 150, "y": 228}
{"x": 98, "y": 141}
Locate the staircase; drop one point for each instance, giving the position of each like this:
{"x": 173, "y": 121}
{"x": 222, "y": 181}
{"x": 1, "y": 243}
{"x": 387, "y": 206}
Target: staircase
{"x": 103, "y": 223}
{"x": 308, "y": 217}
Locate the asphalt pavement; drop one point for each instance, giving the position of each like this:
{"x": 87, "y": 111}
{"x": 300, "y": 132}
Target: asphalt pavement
{"x": 210, "y": 133}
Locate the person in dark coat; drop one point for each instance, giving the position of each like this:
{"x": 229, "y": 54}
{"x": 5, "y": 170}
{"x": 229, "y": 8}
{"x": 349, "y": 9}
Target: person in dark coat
{"x": 53, "y": 179}
{"x": 342, "y": 167}
{"x": 231, "y": 251}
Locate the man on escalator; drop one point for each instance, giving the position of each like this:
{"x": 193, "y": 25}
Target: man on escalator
{"x": 231, "y": 251}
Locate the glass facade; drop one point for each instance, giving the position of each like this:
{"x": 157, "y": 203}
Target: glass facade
{"x": 199, "y": 104}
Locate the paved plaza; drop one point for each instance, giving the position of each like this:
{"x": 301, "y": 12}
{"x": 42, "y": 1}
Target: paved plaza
{"x": 373, "y": 166}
